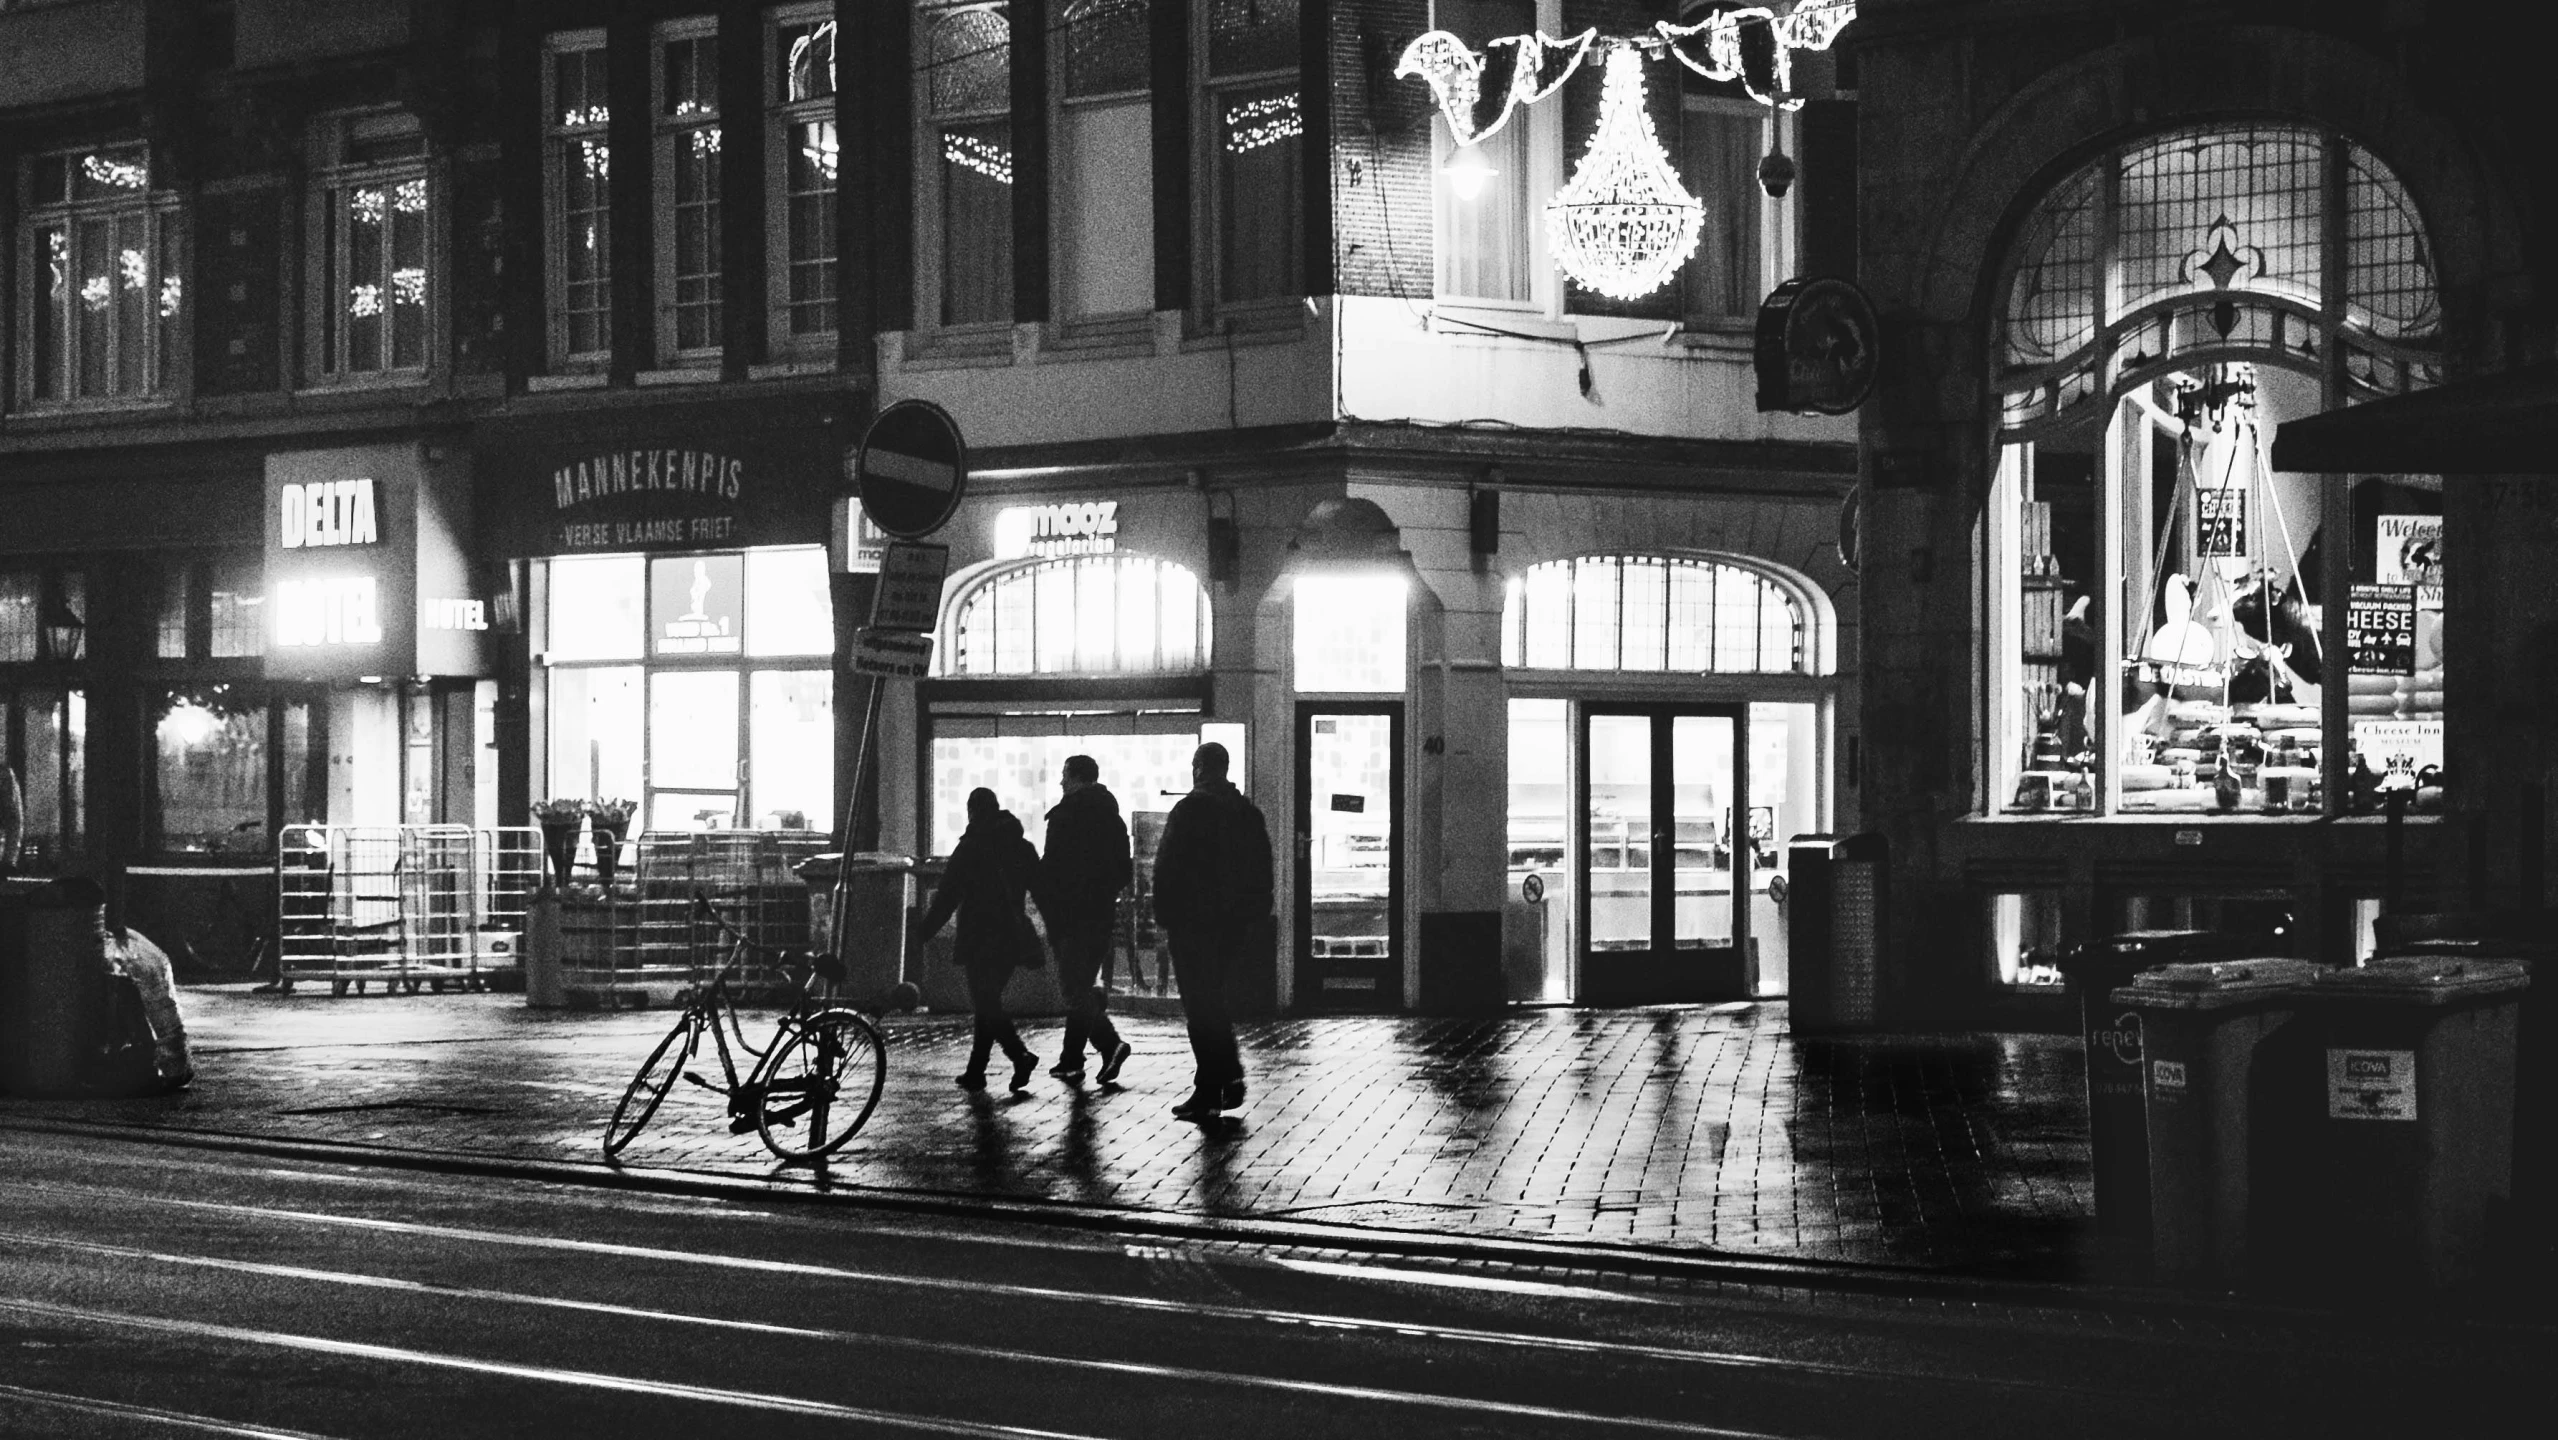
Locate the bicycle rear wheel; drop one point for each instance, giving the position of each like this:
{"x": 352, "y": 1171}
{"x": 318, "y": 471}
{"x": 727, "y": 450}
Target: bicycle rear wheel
{"x": 819, "y": 1083}
{"x": 647, "y": 1090}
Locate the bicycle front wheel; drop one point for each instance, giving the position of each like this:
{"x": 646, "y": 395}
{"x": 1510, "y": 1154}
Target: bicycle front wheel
{"x": 647, "y": 1091}
{"x": 820, "y": 1083}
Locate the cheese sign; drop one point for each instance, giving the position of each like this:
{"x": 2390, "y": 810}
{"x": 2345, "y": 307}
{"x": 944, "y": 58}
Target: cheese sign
{"x": 2220, "y": 523}
{"x": 2380, "y": 629}
{"x": 327, "y": 513}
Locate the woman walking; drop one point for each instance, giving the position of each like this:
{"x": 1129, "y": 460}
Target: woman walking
{"x": 988, "y": 874}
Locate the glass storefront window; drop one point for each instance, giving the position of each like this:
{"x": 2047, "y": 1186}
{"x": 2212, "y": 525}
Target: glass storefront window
{"x": 19, "y": 594}
{"x": 238, "y": 604}
{"x": 212, "y": 757}
{"x": 692, "y": 729}
{"x": 595, "y": 733}
{"x": 596, "y": 609}
{"x": 48, "y": 727}
{"x": 788, "y": 609}
{"x": 791, "y": 749}
{"x": 1350, "y": 634}
{"x": 1538, "y": 843}
{"x": 1645, "y": 612}
{"x": 2025, "y": 938}
{"x": 2160, "y": 633}
{"x": 1082, "y": 614}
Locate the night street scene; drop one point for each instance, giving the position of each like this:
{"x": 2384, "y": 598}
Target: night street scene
{"x": 1151, "y": 719}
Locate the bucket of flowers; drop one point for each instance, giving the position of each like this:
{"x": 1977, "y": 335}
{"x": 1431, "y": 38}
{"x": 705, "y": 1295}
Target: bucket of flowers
{"x": 559, "y": 820}
{"x": 612, "y": 822}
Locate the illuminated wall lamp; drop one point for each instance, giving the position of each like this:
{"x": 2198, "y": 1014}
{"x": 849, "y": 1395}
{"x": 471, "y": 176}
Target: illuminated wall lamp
{"x": 65, "y": 637}
{"x": 1468, "y": 172}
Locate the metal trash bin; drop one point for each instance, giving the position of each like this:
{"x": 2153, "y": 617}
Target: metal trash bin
{"x": 2412, "y": 1152}
{"x": 1834, "y": 930}
{"x": 2117, "y": 1123}
{"x": 878, "y": 908}
{"x": 2205, "y": 1028}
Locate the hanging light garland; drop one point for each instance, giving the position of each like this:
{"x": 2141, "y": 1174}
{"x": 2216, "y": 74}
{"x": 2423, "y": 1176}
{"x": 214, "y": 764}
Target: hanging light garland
{"x": 1624, "y": 225}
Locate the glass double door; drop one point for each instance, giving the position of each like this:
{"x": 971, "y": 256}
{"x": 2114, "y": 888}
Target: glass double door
{"x": 1659, "y": 802}
{"x": 1350, "y": 856}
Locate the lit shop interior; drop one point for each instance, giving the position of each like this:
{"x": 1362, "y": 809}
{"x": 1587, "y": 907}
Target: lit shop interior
{"x": 697, "y": 686}
{"x": 2166, "y": 633}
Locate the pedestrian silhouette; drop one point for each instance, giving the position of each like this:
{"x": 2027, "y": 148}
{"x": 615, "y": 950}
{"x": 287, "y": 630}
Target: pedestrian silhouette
{"x": 1081, "y": 873}
{"x": 988, "y": 874}
{"x": 1212, "y": 884}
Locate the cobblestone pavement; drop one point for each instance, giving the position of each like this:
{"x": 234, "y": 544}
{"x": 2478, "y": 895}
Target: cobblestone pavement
{"x": 1692, "y": 1127}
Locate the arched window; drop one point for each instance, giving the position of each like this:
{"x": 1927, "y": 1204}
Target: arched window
{"x": 1651, "y": 612}
{"x": 2218, "y": 246}
{"x": 1082, "y": 615}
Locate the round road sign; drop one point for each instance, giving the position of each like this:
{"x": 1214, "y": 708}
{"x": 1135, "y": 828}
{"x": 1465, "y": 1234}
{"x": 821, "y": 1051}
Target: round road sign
{"x": 912, "y": 469}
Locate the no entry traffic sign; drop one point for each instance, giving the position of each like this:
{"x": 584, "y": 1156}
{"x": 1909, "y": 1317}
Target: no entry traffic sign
{"x": 912, "y": 469}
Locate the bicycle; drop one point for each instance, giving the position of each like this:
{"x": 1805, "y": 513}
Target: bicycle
{"x": 821, "y": 1064}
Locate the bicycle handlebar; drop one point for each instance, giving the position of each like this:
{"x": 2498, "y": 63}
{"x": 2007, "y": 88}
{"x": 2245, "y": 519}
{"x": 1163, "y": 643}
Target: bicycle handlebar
{"x": 788, "y": 960}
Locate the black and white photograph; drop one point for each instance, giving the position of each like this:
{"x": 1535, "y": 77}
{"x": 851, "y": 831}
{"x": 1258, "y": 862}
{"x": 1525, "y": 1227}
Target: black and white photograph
{"x": 1154, "y": 719}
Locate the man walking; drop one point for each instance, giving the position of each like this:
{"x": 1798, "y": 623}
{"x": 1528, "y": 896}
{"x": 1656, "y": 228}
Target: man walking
{"x": 1081, "y": 874}
{"x": 1212, "y": 883}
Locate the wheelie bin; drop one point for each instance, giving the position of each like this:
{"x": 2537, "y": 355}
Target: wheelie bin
{"x": 2412, "y": 1153}
{"x": 2205, "y": 1028}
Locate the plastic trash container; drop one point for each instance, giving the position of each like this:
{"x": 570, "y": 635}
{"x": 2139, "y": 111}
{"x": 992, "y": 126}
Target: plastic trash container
{"x": 879, "y": 904}
{"x": 2203, "y": 1027}
{"x": 2118, "y": 1134}
{"x": 2412, "y": 1151}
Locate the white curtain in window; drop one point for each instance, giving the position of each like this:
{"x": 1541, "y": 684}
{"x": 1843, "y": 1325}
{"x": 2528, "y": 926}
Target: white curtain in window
{"x": 1109, "y": 186}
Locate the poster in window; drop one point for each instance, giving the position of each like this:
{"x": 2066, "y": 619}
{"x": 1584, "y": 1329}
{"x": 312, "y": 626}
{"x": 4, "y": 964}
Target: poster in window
{"x": 2380, "y": 629}
{"x": 2409, "y": 551}
{"x": 694, "y": 605}
{"x": 2220, "y": 520}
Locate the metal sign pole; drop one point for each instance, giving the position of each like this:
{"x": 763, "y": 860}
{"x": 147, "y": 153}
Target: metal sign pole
{"x": 853, "y": 810}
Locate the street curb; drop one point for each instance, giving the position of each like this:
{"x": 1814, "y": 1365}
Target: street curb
{"x": 1689, "y": 1264}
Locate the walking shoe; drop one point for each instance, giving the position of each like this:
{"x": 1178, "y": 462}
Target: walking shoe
{"x": 1110, "y": 1064}
{"x": 1202, "y": 1105}
{"x": 1024, "y": 1066}
{"x": 1064, "y": 1070}
{"x": 1231, "y": 1097}
{"x": 972, "y": 1079}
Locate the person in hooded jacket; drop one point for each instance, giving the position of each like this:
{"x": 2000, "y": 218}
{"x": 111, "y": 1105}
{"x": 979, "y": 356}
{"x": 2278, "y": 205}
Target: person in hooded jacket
{"x": 1081, "y": 873}
{"x": 1212, "y": 881}
{"x": 988, "y": 875}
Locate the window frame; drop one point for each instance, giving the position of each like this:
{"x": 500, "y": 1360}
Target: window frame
{"x": 1210, "y": 265}
{"x": 952, "y": 652}
{"x": 558, "y": 140}
{"x": 1063, "y": 201}
{"x": 327, "y": 343}
{"x": 1780, "y": 218}
{"x": 667, "y": 133}
{"x": 168, "y": 339}
{"x": 986, "y": 338}
{"x": 1538, "y": 132}
{"x": 1811, "y": 642}
{"x": 782, "y": 119}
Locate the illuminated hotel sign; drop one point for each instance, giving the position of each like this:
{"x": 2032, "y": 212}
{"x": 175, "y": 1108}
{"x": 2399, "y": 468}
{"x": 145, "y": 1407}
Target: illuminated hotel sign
{"x": 346, "y": 610}
{"x": 332, "y": 512}
{"x": 363, "y": 557}
{"x": 1089, "y": 527}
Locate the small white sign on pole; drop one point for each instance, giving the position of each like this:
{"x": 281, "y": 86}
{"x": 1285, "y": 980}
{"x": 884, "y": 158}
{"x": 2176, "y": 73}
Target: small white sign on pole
{"x": 909, "y": 596}
{"x": 892, "y": 654}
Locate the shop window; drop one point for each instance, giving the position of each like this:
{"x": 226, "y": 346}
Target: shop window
{"x": 2158, "y": 630}
{"x": 104, "y": 283}
{"x": 21, "y": 596}
{"x": 597, "y": 607}
{"x": 1540, "y": 865}
{"x": 578, "y": 184}
{"x": 791, "y": 721}
{"x": 1645, "y": 612}
{"x": 596, "y": 732}
{"x": 213, "y": 750}
{"x": 688, "y": 179}
{"x": 1082, "y": 615}
{"x": 966, "y": 79}
{"x": 212, "y": 609}
{"x": 370, "y": 213}
{"x": 43, "y": 738}
{"x": 1255, "y": 132}
{"x": 789, "y": 610}
{"x": 1350, "y": 634}
{"x": 2025, "y": 937}
{"x": 1485, "y": 205}
{"x": 1104, "y": 160}
{"x": 802, "y": 176}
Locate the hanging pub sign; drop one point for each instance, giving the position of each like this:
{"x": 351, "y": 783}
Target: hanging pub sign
{"x": 2380, "y": 629}
{"x": 365, "y": 571}
{"x": 2220, "y": 523}
{"x": 1818, "y": 346}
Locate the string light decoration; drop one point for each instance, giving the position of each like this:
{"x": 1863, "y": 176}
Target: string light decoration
{"x": 116, "y": 174}
{"x": 967, "y": 151}
{"x": 1266, "y": 121}
{"x": 1624, "y": 225}
{"x": 1712, "y": 47}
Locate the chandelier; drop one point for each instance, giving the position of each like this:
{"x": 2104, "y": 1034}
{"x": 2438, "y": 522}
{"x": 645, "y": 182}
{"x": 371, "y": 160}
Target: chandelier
{"x": 1624, "y": 224}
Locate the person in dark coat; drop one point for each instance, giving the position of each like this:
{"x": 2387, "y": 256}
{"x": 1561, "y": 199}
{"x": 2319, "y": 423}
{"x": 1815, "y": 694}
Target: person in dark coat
{"x": 1212, "y": 882}
{"x": 985, "y": 882}
{"x": 1081, "y": 873}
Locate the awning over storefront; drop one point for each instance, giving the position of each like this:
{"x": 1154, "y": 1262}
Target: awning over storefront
{"x": 2495, "y": 425}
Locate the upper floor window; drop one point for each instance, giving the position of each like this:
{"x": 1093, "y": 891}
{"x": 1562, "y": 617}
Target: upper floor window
{"x": 1082, "y": 615}
{"x": 968, "y": 134}
{"x": 1486, "y": 238}
{"x": 578, "y": 171}
{"x": 213, "y": 609}
{"x": 688, "y": 139}
{"x": 1104, "y": 160}
{"x": 370, "y": 213}
{"x": 1722, "y": 140}
{"x": 1254, "y": 135}
{"x": 1652, "y": 612}
{"x": 802, "y": 166}
{"x": 102, "y": 280}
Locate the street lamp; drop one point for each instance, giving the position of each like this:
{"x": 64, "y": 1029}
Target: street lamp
{"x": 65, "y": 637}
